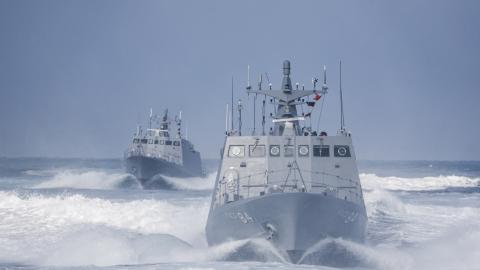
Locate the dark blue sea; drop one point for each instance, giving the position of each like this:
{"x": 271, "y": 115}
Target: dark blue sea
{"x": 87, "y": 213}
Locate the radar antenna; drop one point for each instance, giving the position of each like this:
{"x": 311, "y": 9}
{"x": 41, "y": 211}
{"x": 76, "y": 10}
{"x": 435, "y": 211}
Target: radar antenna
{"x": 179, "y": 125}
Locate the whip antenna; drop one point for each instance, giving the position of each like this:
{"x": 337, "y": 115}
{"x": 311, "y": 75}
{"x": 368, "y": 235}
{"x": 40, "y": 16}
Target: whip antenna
{"x": 226, "y": 120}
{"x": 342, "y": 118}
{"x": 150, "y": 119}
{"x": 248, "y": 78}
{"x": 240, "y": 107}
{"x": 232, "y": 106}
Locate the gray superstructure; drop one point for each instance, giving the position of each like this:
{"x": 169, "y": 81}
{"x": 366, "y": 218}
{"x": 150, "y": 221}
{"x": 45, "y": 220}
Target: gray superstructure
{"x": 292, "y": 186}
{"x": 159, "y": 151}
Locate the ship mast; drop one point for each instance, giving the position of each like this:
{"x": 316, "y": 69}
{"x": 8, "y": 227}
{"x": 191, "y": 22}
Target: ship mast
{"x": 164, "y": 125}
{"x": 287, "y": 101}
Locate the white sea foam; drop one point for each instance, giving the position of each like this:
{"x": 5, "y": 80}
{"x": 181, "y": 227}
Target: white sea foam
{"x": 105, "y": 246}
{"x": 340, "y": 252}
{"x": 193, "y": 183}
{"x": 40, "y": 172}
{"x": 372, "y": 181}
{"x": 32, "y": 214}
{"x": 458, "y": 249}
{"x": 369, "y": 181}
{"x": 396, "y": 222}
{"x": 73, "y": 229}
{"x": 86, "y": 180}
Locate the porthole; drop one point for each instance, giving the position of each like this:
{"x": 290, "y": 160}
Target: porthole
{"x": 303, "y": 150}
{"x": 341, "y": 151}
{"x": 275, "y": 150}
{"x": 236, "y": 151}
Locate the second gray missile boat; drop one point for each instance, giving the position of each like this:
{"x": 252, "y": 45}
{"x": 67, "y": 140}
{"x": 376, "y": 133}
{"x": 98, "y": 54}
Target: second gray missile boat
{"x": 161, "y": 152}
{"x": 294, "y": 186}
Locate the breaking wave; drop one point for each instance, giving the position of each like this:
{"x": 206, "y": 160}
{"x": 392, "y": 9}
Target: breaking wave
{"x": 342, "y": 253}
{"x": 74, "y": 230}
{"x": 256, "y": 249}
{"x": 24, "y": 214}
{"x": 88, "y": 180}
{"x": 455, "y": 250}
{"x": 94, "y": 246}
{"x": 105, "y": 246}
{"x": 372, "y": 181}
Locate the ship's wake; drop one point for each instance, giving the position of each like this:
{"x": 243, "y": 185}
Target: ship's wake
{"x": 72, "y": 229}
{"x": 197, "y": 183}
{"x": 192, "y": 183}
{"x": 255, "y": 249}
{"x": 428, "y": 183}
{"x": 103, "y": 246}
{"x": 342, "y": 253}
{"x": 406, "y": 230}
{"x": 91, "y": 179}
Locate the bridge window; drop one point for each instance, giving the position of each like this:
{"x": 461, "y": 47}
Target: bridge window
{"x": 176, "y": 143}
{"x": 168, "y": 142}
{"x": 288, "y": 151}
{"x": 341, "y": 151}
{"x": 303, "y": 150}
{"x": 257, "y": 150}
{"x": 144, "y": 141}
{"x": 321, "y": 151}
{"x": 155, "y": 142}
{"x": 162, "y": 142}
{"x": 236, "y": 151}
{"x": 274, "y": 150}
{"x": 136, "y": 140}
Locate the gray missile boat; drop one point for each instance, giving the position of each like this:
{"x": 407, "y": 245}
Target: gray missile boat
{"x": 160, "y": 152}
{"x": 292, "y": 186}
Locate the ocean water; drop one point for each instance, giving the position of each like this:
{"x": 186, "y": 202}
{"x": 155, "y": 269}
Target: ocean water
{"x": 88, "y": 214}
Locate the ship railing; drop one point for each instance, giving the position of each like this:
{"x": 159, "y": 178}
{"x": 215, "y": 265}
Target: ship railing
{"x": 134, "y": 151}
{"x": 328, "y": 184}
{"x": 138, "y": 151}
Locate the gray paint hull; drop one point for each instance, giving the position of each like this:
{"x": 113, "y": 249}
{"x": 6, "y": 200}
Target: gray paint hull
{"x": 148, "y": 170}
{"x": 294, "y": 222}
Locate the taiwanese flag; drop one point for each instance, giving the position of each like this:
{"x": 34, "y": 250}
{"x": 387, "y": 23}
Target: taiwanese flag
{"x": 311, "y": 103}
{"x": 317, "y": 97}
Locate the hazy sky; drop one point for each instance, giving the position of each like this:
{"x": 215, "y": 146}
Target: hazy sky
{"x": 77, "y": 76}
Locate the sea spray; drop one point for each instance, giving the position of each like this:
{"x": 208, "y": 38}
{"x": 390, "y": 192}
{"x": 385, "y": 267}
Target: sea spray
{"x": 193, "y": 183}
{"x": 88, "y": 180}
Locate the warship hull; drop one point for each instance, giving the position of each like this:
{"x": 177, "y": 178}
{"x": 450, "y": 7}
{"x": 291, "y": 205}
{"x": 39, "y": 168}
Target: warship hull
{"x": 149, "y": 171}
{"x": 293, "y": 222}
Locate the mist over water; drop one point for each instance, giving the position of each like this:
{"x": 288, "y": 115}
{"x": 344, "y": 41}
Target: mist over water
{"x": 88, "y": 213}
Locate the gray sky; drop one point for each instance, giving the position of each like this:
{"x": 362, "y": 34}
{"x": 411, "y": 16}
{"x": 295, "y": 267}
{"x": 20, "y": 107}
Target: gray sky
{"x": 77, "y": 76}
